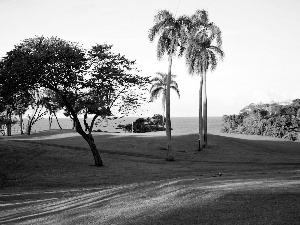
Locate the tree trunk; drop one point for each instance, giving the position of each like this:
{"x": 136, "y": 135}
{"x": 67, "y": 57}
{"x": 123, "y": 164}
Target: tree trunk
{"x": 90, "y": 140}
{"x": 163, "y": 119}
{"x": 29, "y": 125}
{"x": 28, "y": 131}
{"x": 21, "y": 123}
{"x": 88, "y": 137}
{"x": 57, "y": 121}
{"x": 74, "y": 125}
{"x": 200, "y": 116}
{"x": 50, "y": 122}
{"x": 168, "y": 116}
{"x": 205, "y": 110}
{"x": 8, "y": 129}
{"x": 8, "y": 125}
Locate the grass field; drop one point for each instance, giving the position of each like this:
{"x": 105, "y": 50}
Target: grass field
{"x": 49, "y": 178}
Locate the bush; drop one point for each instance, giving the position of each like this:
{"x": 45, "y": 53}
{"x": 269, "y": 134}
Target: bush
{"x": 281, "y": 121}
{"x": 142, "y": 125}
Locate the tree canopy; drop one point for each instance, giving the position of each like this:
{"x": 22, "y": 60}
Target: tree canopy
{"x": 94, "y": 82}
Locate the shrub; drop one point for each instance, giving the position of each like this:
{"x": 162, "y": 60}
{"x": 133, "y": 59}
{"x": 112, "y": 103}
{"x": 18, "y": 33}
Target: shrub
{"x": 282, "y": 121}
{"x": 142, "y": 125}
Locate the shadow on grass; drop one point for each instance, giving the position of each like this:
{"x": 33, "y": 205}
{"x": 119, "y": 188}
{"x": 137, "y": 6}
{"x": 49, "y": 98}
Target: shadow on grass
{"x": 221, "y": 149}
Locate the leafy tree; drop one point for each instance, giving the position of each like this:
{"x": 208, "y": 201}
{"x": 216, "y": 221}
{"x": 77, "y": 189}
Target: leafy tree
{"x": 273, "y": 120}
{"x": 54, "y": 64}
{"x": 112, "y": 88}
{"x": 52, "y": 104}
{"x": 158, "y": 119}
{"x": 14, "y": 95}
{"x": 8, "y": 119}
{"x": 14, "y": 105}
{"x": 37, "y": 106}
{"x": 203, "y": 51}
{"x": 89, "y": 83}
{"x": 171, "y": 33}
{"x": 21, "y": 109}
{"x": 159, "y": 88}
{"x": 142, "y": 125}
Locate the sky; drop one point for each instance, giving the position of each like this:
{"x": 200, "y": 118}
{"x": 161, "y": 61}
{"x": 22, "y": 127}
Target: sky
{"x": 261, "y": 41}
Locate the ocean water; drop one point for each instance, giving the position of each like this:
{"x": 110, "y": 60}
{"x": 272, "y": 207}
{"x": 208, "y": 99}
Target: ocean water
{"x": 181, "y": 125}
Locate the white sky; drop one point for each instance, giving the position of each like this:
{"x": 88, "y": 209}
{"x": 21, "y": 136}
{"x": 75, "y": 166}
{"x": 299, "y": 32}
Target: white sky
{"x": 261, "y": 40}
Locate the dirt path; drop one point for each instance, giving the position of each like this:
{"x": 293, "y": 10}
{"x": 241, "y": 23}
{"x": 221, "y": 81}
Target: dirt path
{"x": 149, "y": 202}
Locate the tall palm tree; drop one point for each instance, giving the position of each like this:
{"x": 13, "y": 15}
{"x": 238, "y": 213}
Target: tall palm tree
{"x": 170, "y": 32}
{"x": 159, "y": 88}
{"x": 203, "y": 51}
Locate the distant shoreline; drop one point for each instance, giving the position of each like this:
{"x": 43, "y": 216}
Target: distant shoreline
{"x": 181, "y": 125}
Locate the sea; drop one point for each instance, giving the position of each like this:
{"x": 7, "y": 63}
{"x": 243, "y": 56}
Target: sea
{"x": 180, "y": 125}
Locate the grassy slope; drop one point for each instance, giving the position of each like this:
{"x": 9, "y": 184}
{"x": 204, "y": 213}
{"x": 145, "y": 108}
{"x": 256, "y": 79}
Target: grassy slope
{"x": 67, "y": 163}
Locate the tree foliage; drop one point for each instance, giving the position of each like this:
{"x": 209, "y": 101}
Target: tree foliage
{"x": 203, "y": 51}
{"x": 204, "y": 44}
{"x": 38, "y": 107}
{"x": 143, "y": 125}
{"x": 159, "y": 87}
{"x": 275, "y": 120}
{"x": 171, "y": 35}
{"x": 170, "y": 32}
{"x": 95, "y": 82}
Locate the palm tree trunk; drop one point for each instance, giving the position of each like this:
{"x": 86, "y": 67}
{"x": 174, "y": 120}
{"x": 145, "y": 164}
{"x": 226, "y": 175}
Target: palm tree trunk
{"x": 205, "y": 110}
{"x": 163, "y": 119}
{"x": 200, "y": 116}
{"x": 168, "y": 117}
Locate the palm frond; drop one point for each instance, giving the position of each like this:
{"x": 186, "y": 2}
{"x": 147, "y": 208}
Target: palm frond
{"x": 161, "y": 21}
{"x": 163, "y": 45}
{"x": 218, "y": 51}
{"x": 163, "y": 15}
{"x": 176, "y": 90}
{"x": 184, "y": 20}
{"x": 203, "y": 47}
{"x": 159, "y": 80}
{"x": 174, "y": 84}
{"x": 171, "y": 32}
{"x": 155, "y": 93}
{"x": 199, "y": 20}
{"x": 212, "y": 60}
{"x": 216, "y": 34}
{"x": 161, "y": 75}
{"x": 156, "y": 86}
{"x": 202, "y": 15}
{"x": 159, "y": 86}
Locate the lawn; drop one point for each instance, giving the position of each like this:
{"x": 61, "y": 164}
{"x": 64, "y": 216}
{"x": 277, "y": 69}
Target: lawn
{"x": 236, "y": 180}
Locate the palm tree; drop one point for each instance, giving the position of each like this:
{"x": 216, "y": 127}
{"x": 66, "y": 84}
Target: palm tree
{"x": 170, "y": 31}
{"x": 159, "y": 88}
{"x": 203, "y": 51}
